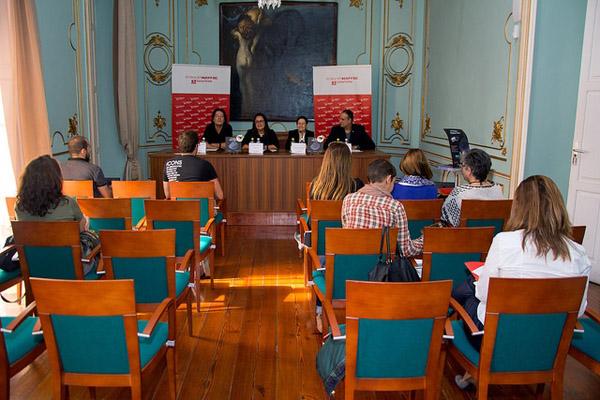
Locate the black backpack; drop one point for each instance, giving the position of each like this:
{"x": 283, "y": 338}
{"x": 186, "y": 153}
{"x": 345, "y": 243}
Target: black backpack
{"x": 6, "y": 259}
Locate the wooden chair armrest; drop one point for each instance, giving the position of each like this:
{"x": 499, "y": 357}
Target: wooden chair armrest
{"x": 465, "y": 317}
{"x": 95, "y": 251}
{"x": 578, "y": 327}
{"x": 7, "y": 249}
{"x": 186, "y": 263}
{"x": 314, "y": 258}
{"x": 593, "y": 314}
{"x": 333, "y": 324}
{"x": 303, "y": 226}
{"x": 208, "y": 229}
{"x": 37, "y": 328}
{"x": 19, "y": 319}
{"x": 448, "y": 330}
{"x": 221, "y": 206}
{"x": 160, "y": 310}
{"x": 100, "y": 269}
{"x": 141, "y": 225}
{"x": 300, "y": 207}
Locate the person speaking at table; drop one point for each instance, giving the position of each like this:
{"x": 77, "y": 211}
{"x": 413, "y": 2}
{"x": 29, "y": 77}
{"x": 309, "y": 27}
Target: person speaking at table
{"x": 355, "y": 133}
{"x": 299, "y": 135}
{"x": 260, "y": 131}
{"x": 218, "y": 130}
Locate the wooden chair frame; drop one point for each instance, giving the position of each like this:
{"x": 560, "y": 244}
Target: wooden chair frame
{"x": 320, "y": 210}
{"x": 396, "y": 301}
{"x": 113, "y": 298}
{"x": 578, "y": 233}
{"x": 485, "y": 209}
{"x": 454, "y": 240}
{"x": 189, "y": 211}
{"x": 528, "y": 296}
{"x": 107, "y": 208}
{"x": 49, "y": 234}
{"x": 202, "y": 190}
{"x": 423, "y": 209}
{"x": 302, "y": 207}
{"x": 136, "y": 189}
{"x": 8, "y": 371}
{"x": 14, "y": 281}
{"x": 78, "y": 189}
{"x": 580, "y": 356}
{"x": 10, "y": 207}
{"x": 151, "y": 243}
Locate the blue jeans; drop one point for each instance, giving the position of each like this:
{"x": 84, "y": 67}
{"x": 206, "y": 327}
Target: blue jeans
{"x": 465, "y": 295}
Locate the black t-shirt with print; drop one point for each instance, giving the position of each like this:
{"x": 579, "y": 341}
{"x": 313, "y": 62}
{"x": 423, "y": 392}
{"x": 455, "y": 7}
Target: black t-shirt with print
{"x": 187, "y": 168}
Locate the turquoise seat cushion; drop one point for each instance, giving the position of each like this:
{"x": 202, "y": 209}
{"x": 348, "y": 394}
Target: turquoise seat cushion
{"x": 219, "y": 217}
{"x": 184, "y": 234}
{"x": 588, "y": 342}
{"x": 91, "y": 276}
{"x": 50, "y": 262}
{"x": 321, "y": 229}
{"x": 102, "y": 341}
{"x": 451, "y": 266}
{"x": 463, "y": 345}
{"x": 205, "y": 242}
{"x": 204, "y": 212}
{"x": 98, "y": 224}
{"x": 149, "y": 275}
{"x": 9, "y": 276}
{"x": 393, "y": 348}
{"x": 479, "y": 223}
{"x": 20, "y": 342}
{"x": 137, "y": 210}
{"x": 181, "y": 280}
{"x": 415, "y": 227}
{"x": 319, "y": 280}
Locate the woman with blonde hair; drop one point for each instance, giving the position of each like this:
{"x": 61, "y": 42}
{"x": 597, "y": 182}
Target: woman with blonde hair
{"x": 334, "y": 181}
{"x": 416, "y": 183}
{"x": 537, "y": 243}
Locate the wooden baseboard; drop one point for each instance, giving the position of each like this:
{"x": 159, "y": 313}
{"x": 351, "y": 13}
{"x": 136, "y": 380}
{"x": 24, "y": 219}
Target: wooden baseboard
{"x": 261, "y": 218}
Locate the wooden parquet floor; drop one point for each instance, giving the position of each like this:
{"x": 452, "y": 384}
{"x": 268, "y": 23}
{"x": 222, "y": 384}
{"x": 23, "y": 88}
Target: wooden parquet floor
{"x": 255, "y": 337}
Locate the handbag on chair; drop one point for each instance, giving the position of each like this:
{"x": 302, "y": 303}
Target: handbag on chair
{"x": 389, "y": 269}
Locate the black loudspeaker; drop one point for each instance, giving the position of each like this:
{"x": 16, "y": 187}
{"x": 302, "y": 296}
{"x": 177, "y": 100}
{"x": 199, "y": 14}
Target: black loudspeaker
{"x": 314, "y": 146}
{"x": 232, "y": 145}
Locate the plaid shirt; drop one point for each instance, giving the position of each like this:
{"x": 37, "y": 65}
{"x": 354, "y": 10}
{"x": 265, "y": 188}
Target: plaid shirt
{"x": 362, "y": 210}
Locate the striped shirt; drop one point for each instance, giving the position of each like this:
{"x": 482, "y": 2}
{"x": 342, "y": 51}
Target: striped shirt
{"x": 371, "y": 207}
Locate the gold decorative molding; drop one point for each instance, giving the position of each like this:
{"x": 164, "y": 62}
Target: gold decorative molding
{"x": 73, "y": 125}
{"x": 426, "y": 126}
{"x": 498, "y": 128}
{"x": 200, "y": 3}
{"x": 400, "y": 3}
{"x": 356, "y": 3}
{"x": 399, "y": 77}
{"x": 158, "y": 42}
{"x": 159, "y": 121}
{"x": 397, "y": 125}
{"x": 157, "y": 3}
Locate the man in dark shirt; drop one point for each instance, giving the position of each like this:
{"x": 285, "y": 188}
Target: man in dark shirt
{"x": 79, "y": 168}
{"x": 186, "y": 167}
{"x": 355, "y": 133}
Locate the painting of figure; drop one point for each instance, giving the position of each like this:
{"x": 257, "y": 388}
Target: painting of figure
{"x": 272, "y": 53}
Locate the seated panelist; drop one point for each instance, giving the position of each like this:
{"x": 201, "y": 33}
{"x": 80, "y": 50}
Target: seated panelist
{"x": 299, "y": 135}
{"x": 355, "y": 133}
{"x": 218, "y": 130}
{"x": 261, "y": 132}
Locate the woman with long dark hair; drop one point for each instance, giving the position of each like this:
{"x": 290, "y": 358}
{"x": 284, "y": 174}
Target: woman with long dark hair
{"x": 217, "y": 132}
{"x": 262, "y": 133}
{"x": 40, "y": 195}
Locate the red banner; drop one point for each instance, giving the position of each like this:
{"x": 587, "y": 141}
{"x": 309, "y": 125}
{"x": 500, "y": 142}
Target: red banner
{"x": 327, "y": 110}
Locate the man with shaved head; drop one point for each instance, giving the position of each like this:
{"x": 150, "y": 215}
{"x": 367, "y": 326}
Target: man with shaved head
{"x": 79, "y": 168}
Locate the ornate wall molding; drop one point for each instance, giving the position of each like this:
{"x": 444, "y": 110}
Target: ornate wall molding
{"x": 398, "y": 76}
{"x": 158, "y": 43}
{"x": 356, "y": 3}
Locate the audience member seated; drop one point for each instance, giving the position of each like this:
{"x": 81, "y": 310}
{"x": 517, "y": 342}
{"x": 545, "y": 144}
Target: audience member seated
{"x": 475, "y": 168}
{"x": 299, "y": 135}
{"x": 416, "y": 183}
{"x": 261, "y": 132}
{"x": 355, "y": 133}
{"x": 334, "y": 181}
{"x": 374, "y": 207}
{"x": 79, "y": 168}
{"x": 186, "y": 167}
{"x": 40, "y": 195}
{"x": 537, "y": 244}
{"x": 218, "y": 130}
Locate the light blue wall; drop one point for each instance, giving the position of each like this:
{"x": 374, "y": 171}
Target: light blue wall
{"x": 556, "y": 65}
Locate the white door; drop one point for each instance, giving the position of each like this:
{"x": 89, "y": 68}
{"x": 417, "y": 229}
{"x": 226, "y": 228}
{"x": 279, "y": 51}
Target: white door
{"x": 584, "y": 183}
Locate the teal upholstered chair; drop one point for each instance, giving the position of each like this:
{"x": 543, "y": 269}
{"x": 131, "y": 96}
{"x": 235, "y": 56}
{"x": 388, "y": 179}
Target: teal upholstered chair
{"x": 19, "y": 346}
{"x": 184, "y": 217}
{"x": 94, "y": 337}
{"x": 114, "y": 214}
{"x": 205, "y": 193}
{"x": 350, "y": 255}
{"x": 10, "y": 279}
{"x": 585, "y": 346}
{"x": 148, "y": 257}
{"x": 526, "y": 334}
{"x": 302, "y": 220}
{"x": 421, "y": 213}
{"x": 394, "y": 336}
{"x": 323, "y": 214}
{"x": 136, "y": 192}
{"x": 478, "y": 213}
{"x": 445, "y": 251}
{"x": 51, "y": 250}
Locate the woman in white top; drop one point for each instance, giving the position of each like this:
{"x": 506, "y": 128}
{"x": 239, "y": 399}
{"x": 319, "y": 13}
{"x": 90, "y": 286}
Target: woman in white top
{"x": 475, "y": 168}
{"x": 537, "y": 244}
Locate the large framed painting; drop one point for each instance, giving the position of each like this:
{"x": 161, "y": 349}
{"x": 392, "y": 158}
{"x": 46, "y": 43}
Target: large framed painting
{"x": 272, "y": 52}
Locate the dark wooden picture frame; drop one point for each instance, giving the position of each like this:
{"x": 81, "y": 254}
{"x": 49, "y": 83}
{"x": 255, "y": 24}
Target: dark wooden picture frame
{"x": 272, "y": 52}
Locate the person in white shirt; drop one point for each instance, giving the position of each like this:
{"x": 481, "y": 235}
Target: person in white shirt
{"x": 537, "y": 244}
